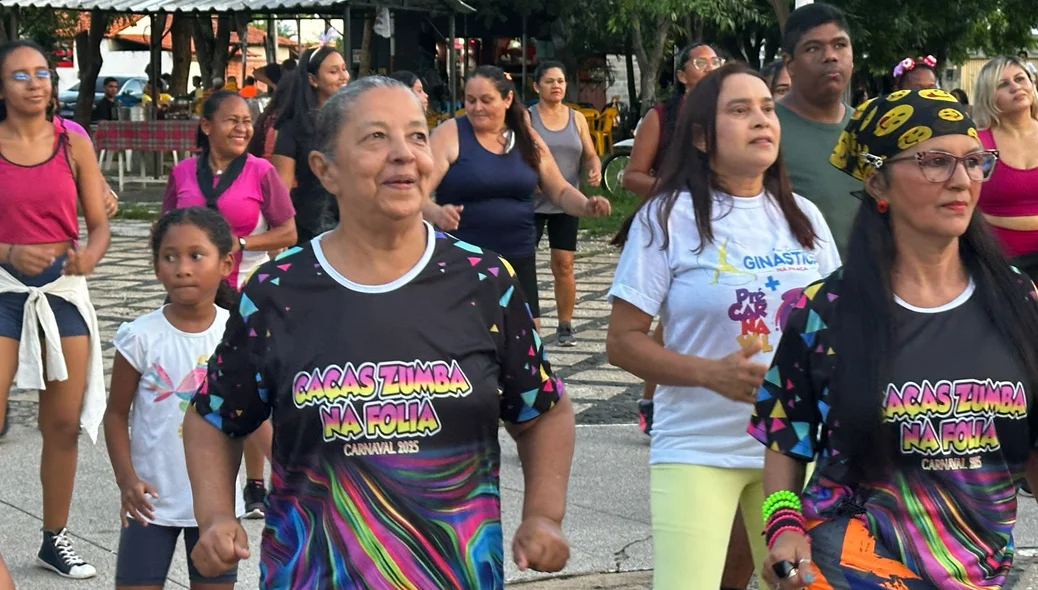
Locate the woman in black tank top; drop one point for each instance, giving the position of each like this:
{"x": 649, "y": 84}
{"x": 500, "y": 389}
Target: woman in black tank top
{"x": 487, "y": 165}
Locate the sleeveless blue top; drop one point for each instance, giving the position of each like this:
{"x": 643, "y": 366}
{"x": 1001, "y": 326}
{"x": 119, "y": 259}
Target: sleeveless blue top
{"x": 497, "y": 193}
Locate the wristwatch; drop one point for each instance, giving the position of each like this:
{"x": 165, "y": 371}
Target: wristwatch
{"x": 241, "y": 244}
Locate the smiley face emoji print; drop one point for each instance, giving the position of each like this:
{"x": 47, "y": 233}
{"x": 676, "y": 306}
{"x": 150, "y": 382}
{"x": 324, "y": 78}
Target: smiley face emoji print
{"x": 886, "y": 126}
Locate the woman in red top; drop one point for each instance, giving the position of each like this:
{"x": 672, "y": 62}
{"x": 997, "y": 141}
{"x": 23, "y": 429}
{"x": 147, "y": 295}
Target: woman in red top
{"x": 1006, "y": 112}
{"x": 45, "y": 173}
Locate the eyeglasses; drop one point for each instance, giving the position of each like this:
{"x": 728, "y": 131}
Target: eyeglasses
{"x": 24, "y": 77}
{"x": 700, "y": 63}
{"x": 940, "y": 166}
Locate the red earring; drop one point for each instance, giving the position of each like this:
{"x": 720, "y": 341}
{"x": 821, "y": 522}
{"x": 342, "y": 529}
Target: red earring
{"x": 881, "y": 206}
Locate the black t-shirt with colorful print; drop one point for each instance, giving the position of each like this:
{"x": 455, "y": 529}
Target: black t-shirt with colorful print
{"x": 385, "y": 401}
{"x": 956, "y": 413}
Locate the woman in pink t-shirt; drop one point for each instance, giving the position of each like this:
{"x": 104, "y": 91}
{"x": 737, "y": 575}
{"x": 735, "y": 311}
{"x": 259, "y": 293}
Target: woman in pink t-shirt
{"x": 253, "y": 199}
{"x": 245, "y": 189}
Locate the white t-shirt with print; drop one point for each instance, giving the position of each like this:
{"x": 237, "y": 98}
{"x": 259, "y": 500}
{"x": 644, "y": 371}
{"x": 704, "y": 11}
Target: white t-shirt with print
{"x": 740, "y": 287}
{"x": 172, "y": 365}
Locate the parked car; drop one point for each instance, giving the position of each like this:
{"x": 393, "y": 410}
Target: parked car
{"x": 129, "y": 86}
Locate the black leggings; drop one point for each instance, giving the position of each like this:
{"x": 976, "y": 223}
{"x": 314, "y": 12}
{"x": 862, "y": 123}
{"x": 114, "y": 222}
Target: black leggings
{"x": 525, "y": 268}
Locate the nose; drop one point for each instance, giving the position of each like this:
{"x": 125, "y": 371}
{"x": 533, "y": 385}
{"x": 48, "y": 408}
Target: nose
{"x": 960, "y": 178}
{"x": 183, "y": 266}
{"x": 400, "y": 150}
{"x": 761, "y": 119}
{"x": 829, "y": 53}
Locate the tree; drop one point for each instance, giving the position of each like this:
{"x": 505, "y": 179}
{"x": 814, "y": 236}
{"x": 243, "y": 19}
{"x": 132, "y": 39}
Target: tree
{"x": 212, "y": 46}
{"x": 88, "y": 46}
{"x": 887, "y": 31}
{"x": 180, "y": 34}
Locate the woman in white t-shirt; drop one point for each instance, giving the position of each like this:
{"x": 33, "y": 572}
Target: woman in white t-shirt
{"x": 720, "y": 253}
{"x": 160, "y": 362}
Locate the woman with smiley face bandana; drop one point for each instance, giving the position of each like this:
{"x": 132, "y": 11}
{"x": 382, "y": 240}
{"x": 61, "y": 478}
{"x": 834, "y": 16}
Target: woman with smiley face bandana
{"x": 918, "y": 440}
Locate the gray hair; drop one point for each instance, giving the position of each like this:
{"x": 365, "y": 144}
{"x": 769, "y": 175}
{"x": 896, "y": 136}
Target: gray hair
{"x": 339, "y": 107}
{"x": 985, "y": 113}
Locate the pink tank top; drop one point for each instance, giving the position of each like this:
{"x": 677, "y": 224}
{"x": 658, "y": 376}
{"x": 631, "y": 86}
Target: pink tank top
{"x": 1010, "y": 192}
{"x": 39, "y": 202}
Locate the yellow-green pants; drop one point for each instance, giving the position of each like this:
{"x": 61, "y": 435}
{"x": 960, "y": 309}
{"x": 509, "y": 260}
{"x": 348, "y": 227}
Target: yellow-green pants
{"x": 693, "y": 507}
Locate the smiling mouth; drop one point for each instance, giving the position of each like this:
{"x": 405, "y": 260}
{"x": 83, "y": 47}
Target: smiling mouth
{"x": 401, "y": 182}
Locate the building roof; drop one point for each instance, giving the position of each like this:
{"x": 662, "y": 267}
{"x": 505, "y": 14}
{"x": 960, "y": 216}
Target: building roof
{"x": 255, "y": 6}
{"x": 255, "y": 36}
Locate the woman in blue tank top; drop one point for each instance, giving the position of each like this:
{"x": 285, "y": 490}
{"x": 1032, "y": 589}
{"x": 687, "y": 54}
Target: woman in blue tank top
{"x": 567, "y": 135}
{"x": 488, "y": 164}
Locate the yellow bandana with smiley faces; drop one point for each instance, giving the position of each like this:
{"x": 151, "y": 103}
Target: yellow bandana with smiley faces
{"x": 884, "y": 127}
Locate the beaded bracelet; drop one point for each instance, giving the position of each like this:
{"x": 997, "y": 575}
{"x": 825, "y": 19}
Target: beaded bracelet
{"x": 780, "y": 505}
{"x": 775, "y": 535}
{"x": 775, "y": 522}
{"x": 782, "y": 514}
{"x": 781, "y": 522}
{"x": 779, "y": 496}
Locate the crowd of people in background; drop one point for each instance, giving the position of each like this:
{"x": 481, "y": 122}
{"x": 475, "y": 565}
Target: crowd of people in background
{"x": 794, "y": 289}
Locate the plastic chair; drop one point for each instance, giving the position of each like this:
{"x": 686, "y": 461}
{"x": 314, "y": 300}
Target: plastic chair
{"x": 593, "y": 117}
{"x": 602, "y": 134}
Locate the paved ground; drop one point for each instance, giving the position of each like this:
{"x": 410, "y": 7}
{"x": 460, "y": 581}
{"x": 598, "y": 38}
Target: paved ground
{"x": 608, "y": 518}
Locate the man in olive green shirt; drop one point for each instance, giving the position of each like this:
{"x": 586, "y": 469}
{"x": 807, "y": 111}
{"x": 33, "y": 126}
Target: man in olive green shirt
{"x": 820, "y": 61}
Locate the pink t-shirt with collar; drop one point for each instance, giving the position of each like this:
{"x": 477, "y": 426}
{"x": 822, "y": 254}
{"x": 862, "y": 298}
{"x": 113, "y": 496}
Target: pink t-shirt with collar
{"x": 256, "y": 201}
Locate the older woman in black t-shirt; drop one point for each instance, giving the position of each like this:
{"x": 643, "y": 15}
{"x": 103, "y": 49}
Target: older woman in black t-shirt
{"x": 387, "y": 353}
{"x": 321, "y": 72}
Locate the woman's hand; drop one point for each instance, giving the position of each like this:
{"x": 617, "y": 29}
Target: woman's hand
{"x": 790, "y": 546}
{"x": 79, "y": 262}
{"x": 135, "y": 502}
{"x": 597, "y": 207}
{"x": 737, "y": 377}
{"x": 540, "y": 545}
{"x": 111, "y": 202}
{"x": 594, "y": 176}
{"x": 30, "y": 259}
{"x": 448, "y": 217}
{"x": 220, "y": 547}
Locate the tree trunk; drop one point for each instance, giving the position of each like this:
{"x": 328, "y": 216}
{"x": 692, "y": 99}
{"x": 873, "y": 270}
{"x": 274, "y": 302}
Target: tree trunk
{"x": 212, "y": 47}
{"x": 781, "y": 12}
{"x": 202, "y": 34}
{"x": 561, "y": 33}
{"x": 632, "y": 83}
{"x": 649, "y": 56}
{"x": 88, "y": 46}
{"x": 365, "y": 48}
{"x": 180, "y": 33}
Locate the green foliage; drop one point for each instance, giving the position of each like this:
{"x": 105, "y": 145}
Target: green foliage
{"x": 887, "y": 31}
{"x": 45, "y": 26}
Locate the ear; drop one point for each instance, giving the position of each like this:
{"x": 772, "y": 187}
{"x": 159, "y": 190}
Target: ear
{"x": 699, "y": 139}
{"x": 227, "y": 265}
{"x": 509, "y": 99}
{"x": 312, "y": 78}
{"x": 206, "y": 125}
{"x": 682, "y": 77}
{"x": 325, "y": 171}
{"x": 876, "y": 184}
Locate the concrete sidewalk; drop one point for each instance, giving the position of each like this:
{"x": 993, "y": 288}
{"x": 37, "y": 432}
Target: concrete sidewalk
{"x": 607, "y": 521}
{"x": 607, "y": 524}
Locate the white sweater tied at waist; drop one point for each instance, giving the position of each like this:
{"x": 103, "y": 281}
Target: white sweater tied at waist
{"x": 39, "y": 315}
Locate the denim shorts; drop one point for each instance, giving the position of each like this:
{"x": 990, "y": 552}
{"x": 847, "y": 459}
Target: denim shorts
{"x": 145, "y": 553}
{"x": 12, "y": 305}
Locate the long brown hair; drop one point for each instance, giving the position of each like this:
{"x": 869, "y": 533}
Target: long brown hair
{"x": 687, "y": 168}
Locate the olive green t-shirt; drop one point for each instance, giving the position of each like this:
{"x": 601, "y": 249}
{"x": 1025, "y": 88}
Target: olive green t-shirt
{"x": 806, "y": 146}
